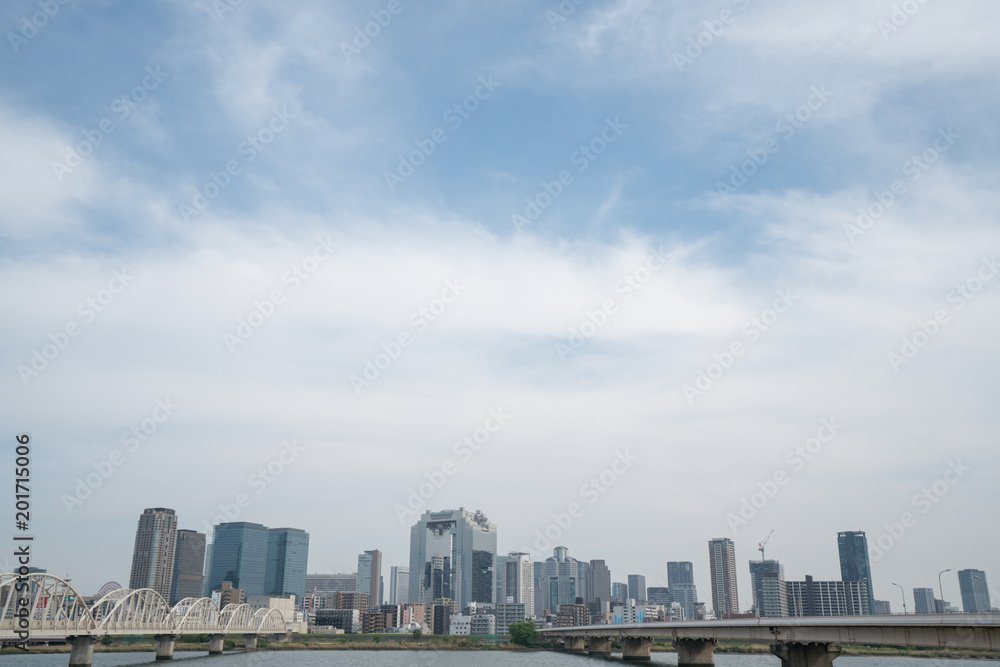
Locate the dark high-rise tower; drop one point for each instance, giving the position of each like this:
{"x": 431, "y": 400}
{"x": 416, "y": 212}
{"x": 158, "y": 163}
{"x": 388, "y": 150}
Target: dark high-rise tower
{"x": 600, "y": 575}
{"x": 153, "y": 556}
{"x": 854, "y": 564}
{"x": 680, "y": 572}
{"x": 287, "y": 559}
{"x": 975, "y": 591}
{"x": 189, "y": 565}
{"x": 370, "y": 577}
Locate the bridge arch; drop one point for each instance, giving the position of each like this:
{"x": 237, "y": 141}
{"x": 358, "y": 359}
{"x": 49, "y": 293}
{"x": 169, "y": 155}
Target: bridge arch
{"x": 269, "y": 621}
{"x": 236, "y": 619}
{"x": 53, "y": 606}
{"x": 127, "y": 611}
{"x": 194, "y": 616}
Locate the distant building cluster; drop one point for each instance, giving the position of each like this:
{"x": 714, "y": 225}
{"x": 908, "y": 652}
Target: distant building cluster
{"x": 457, "y": 583}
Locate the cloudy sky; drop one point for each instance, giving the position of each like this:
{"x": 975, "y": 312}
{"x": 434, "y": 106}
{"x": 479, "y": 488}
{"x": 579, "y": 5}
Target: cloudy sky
{"x": 736, "y": 247}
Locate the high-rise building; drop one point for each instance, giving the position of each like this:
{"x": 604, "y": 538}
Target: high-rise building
{"x": 619, "y": 592}
{"x": 206, "y": 568}
{"x": 686, "y": 595}
{"x": 658, "y": 595}
{"x": 539, "y": 592}
{"x": 287, "y": 562}
{"x": 637, "y": 587}
{"x": 827, "y": 598}
{"x": 452, "y": 555}
{"x": 519, "y": 580}
{"x": 679, "y": 572}
{"x": 854, "y": 563}
{"x": 600, "y": 582}
{"x": 758, "y": 570}
{"x": 155, "y": 549}
{"x": 239, "y": 556}
{"x": 499, "y": 571}
{"x": 189, "y": 566}
{"x": 562, "y": 579}
{"x": 882, "y": 608}
{"x": 399, "y": 584}
{"x": 583, "y": 580}
{"x": 975, "y": 591}
{"x": 370, "y": 576}
{"x": 722, "y": 562}
{"x": 774, "y": 600}
{"x": 924, "y": 601}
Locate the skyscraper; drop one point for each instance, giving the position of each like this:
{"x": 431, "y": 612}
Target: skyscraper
{"x": 239, "y": 555}
{"x": 686, "y": 595}
{"x": 562, "y": 579}
{"x": 722, "y": 561}
{"x": 370, "y": 577}
{"x": 854, "y": 564}
{"x": 679, "y": 572}
{"x": 287, "y": 560}
{"x": 452, "y": 552}
{"x": 519, "y": 581}
{"x": 619, "y": 591}
{"x": 924, "y": 601}
{"x": 600, "y": 575}
{"x": 399, "y": 584}
{"x": 759, "y": 569}
{"x": 155, "y": 547}
{"x": 637, "y": 587}
{"x": 975, "y": 591}
{"x": 189, "y": 566}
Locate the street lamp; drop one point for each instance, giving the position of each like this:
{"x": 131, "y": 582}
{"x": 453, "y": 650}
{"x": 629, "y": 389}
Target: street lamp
{"x": 941, "y": 588}
{"x": 902, "y": 594}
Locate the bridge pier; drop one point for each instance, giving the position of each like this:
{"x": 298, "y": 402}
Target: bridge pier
{"x": 215, "y": 645}
{"x": 250, "y": 642}
{"x": 636, "y": 648}
{"x": 696, "y": 652}
{"x": 82, "y": 653}
{"x": 574, "y": 645}
{"x": 599, "y": 646}
{"x": 794, "y": 654}
{"x": 165, "y": 646}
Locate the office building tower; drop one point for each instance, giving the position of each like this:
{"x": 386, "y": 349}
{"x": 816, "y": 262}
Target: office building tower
{"x": 583, "y": 580}
{"x": 453, "y": 551}
{"x": 924, "y": 601}
{"x": 827, "y": 598}
{"x": 189, "y": 566}
{"x": 287, "y": 562}
{"x": 686, "y": 595}
{"x": 975, "y": 591}
{"x": 722, "y": 562}
{"x": 758, "y": 570}
{"x": 882, "y": 608}
{"x": 600, "y": 582}
{"x": 773, "y": 596}
{"x": 562, "y": 579}
{"x": 399, "y": 584}
{"x": 619, "y": 592}
{"x": 539, "y": 592}
{"x": 658, "y": 595}
{"x": 370, "y": 576}
{"x": 499, "y": 571}
{"x": 155, "y": 548}
{"x": 637, "y": 587}
{"x": 239, "y": 556}
{"x": 679, "y": 572}
{"x": 519, "y": 580}
{"x": 205, "y": 569}
{"x": 854, "y": 563}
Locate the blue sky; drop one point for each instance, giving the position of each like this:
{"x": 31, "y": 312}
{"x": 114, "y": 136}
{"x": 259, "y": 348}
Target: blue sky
{"x": 259, "y": 109}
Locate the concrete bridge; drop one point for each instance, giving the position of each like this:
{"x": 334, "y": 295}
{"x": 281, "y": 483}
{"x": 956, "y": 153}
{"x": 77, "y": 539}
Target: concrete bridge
{"x": 798, "y": 642}
{"x": 41, "y": 606}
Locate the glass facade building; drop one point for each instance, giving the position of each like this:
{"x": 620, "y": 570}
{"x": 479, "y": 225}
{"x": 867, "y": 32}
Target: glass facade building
{"x": 189, "y": 564}
{"x": 854, "y": 564}
{"x": 452, "y": 555}
{"x": 287, "y": 560}
{"x": 239, "y": 555}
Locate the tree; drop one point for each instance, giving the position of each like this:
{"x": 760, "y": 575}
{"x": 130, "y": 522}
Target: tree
{"x": 106, "y": 640}
{"x": 523, "y": 633}
{"x": 417, "y": 632}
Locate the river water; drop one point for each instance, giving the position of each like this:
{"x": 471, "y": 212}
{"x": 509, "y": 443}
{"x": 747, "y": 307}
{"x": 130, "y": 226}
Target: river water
{"x": 441, "y": 659}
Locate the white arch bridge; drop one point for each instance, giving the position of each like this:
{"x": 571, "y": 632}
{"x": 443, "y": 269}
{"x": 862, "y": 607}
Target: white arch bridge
{"x": 41, "y": 606}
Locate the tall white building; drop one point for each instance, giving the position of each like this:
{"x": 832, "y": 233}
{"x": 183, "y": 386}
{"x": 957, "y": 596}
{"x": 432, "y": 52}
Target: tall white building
{"x": 519, "y": 580}
{"x": 722, "y": 562}
{"x": 399, "y": 585}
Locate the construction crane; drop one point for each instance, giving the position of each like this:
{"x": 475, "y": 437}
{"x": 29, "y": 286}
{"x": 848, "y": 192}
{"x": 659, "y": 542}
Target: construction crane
{"x": 760, "y": 547}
